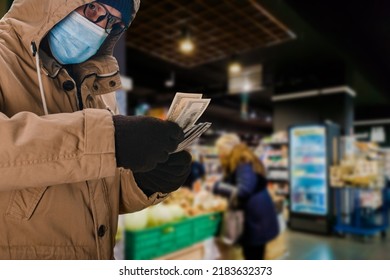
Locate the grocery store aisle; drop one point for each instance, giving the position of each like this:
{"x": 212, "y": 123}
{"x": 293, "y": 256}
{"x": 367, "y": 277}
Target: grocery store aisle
{"x": 306, "y": 246}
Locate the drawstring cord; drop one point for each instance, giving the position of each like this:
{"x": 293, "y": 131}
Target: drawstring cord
{"x": 107, "y": 107}
{"x": 36, "y": 55}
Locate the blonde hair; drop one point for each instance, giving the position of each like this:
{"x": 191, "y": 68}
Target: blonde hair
{"x": 240, "y": 154}
{"x": 227, "y": 142}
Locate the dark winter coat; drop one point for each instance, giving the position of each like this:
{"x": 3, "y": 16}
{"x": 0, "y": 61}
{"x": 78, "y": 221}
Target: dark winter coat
{"x": 261, "y": 224}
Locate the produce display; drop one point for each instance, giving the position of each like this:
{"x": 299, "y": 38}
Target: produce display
{"x": 180, "y": 205}
{"x": 153, "y": 216}
{"x": 360, "y": 173}
{"x": 364, "y": 168}
{"x": 182, "y": 220}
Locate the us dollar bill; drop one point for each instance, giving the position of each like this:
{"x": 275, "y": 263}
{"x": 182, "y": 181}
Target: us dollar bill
{"x": 179, "y": 102}
{"x": 191, "y": 113}
{"x": 185, "y": 110}
{"x": 190, "y": 139}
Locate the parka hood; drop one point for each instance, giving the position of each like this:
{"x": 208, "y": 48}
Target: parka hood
{"x": 33, "y": 19}
{"x": 27, "y": 23}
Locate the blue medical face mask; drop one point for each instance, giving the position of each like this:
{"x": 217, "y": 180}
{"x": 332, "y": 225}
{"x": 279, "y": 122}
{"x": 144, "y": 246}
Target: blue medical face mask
{"x": 75, "y": 39}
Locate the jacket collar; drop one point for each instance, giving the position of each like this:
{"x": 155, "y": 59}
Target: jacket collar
{"x": 33, "y": 19}
{"x": 105, "y": 76}
{"x": 49, "y": 65}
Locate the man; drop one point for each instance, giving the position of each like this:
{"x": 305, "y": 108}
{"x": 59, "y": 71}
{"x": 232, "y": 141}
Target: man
{"x": 69, "y": 165}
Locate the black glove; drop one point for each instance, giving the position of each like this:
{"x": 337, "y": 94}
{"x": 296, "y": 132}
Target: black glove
{"x": 166, "y": 177}
{"x": 143, "y": 142}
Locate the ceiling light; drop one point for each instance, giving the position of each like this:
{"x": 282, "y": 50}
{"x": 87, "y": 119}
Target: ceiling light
{"x": 235, "y": 68}
{"x": 186, "y": 44}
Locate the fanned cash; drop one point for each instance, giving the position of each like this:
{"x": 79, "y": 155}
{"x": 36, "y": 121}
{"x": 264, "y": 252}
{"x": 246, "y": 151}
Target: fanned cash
{"x": 190, "y": 138}
{"x": 191, "y": 113}
{"x": 179, "y": 102}
{"x": 185, "y": 110}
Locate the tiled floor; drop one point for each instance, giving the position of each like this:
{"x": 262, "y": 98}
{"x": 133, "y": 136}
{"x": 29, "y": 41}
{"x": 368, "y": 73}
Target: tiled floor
{"x": 306, "y": 246}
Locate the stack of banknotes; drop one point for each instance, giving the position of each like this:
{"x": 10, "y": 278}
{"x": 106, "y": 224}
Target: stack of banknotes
{"x": 185, "y": 110}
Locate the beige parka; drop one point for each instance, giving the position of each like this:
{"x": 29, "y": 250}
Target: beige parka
{"x": 60, "y": 190}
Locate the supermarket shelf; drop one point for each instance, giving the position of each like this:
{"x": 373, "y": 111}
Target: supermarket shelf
{"x": 310, "y": 163}
{"x": 311, "y": 190}
{"x": 310, "y": 177}
{"x": 282, "y": 193}
{"x": 209, "y": 156}
{"x": 275, "y": 154}
{"x": 275, "y": 144}
{"x": 275, "y": 180}
{"x": 277, "y": 167}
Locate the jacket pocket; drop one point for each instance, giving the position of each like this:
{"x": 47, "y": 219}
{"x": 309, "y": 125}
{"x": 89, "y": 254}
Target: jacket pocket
{"x": 24, "y": 202}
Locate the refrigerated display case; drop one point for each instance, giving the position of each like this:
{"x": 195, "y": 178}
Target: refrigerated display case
{"x": 313, "y": 148}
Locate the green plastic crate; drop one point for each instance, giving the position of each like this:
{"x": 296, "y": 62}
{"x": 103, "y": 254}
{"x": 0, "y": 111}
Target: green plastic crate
{"x": 161, "y": 240}
{"x": 206, "y": 226}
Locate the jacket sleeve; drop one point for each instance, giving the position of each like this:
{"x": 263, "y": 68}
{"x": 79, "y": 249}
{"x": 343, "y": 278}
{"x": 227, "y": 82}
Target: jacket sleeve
{"x": 61, "y": 148}
{"x": 245, "y": 183}
{"x": 132, "y": 198}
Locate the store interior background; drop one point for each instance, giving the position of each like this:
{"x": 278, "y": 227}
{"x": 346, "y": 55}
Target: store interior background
{"x": 306, "y": 62}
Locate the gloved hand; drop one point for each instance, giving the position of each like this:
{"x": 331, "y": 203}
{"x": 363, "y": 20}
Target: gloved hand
{"x": 143, "y": 142}
{"x": 166, "y": 177}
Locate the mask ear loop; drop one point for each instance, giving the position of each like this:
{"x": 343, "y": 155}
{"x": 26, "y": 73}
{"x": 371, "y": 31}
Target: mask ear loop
{"x": 36, "y": 55}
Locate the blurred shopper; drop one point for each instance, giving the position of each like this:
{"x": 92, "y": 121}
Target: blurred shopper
{"x": 245, "y": 185}
{"x": 198, "y": 172}
{"x": 68, "y": 163}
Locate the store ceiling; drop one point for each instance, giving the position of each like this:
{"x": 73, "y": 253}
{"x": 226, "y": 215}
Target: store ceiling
{"x": 329, "y": 33}
{"x": 220, "y": 29}
{"x": 361, "y": 30}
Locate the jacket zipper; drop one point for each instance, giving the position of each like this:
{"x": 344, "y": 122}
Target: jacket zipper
{"x": 108, "y": 205}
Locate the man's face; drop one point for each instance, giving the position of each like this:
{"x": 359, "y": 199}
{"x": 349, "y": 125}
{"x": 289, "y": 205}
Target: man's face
{"x": 100, "y": 14}
{"x": 79, "y": 36}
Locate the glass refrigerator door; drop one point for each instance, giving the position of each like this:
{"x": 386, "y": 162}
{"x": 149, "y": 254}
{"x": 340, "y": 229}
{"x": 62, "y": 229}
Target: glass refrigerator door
{"x": 308, "y": 170}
